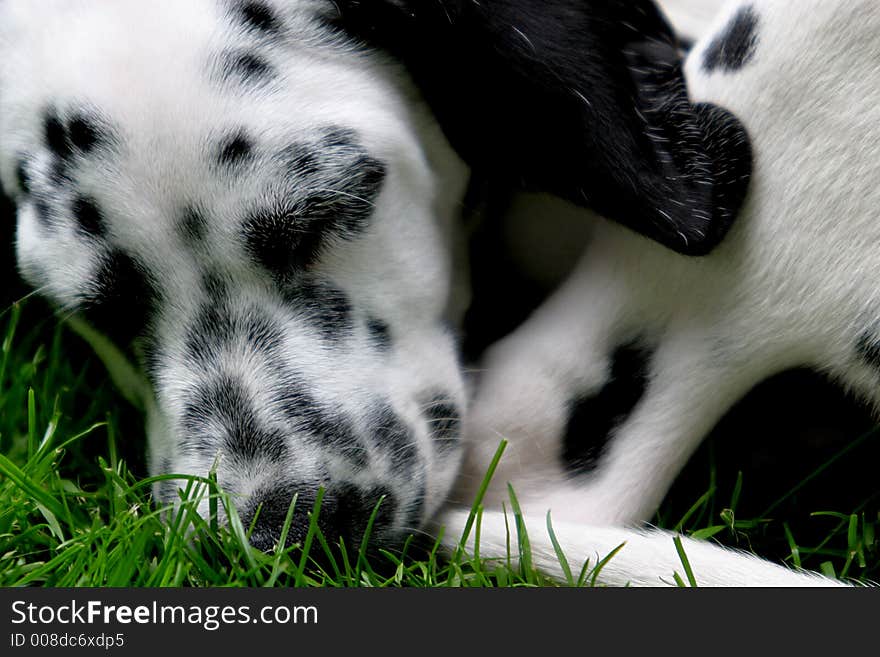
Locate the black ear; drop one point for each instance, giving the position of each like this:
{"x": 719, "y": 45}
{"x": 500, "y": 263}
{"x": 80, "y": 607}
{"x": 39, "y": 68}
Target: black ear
{"x": 584, "y": 99}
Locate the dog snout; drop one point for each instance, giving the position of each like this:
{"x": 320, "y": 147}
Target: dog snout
{"x": 345, "y": 512}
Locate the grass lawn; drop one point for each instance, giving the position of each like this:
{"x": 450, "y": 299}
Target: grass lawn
{"x": 75, "y": 506}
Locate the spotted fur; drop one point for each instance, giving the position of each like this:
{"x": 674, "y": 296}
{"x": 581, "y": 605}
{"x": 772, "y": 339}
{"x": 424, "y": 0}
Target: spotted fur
{"x": 254, "y": 224}
{"x": 254, "y": 218}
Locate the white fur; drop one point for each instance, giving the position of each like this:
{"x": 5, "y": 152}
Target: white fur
{"x": 691, "y": 18}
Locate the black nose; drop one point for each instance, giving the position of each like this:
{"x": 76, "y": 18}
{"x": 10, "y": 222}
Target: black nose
{"x": 344, "y": 513}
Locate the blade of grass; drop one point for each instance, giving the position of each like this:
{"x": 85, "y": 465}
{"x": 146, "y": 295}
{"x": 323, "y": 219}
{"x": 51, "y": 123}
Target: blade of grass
{"x": 685, "y": 562}
{"x": 481, "y": 494}
{"x": 560, "y": 554}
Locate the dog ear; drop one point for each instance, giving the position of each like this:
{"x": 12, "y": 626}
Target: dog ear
{"x": 583, "y": 99}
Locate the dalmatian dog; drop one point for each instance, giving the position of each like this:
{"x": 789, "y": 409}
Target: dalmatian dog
{"x": 251, "y": 210}
{"x": 608, "y": 388}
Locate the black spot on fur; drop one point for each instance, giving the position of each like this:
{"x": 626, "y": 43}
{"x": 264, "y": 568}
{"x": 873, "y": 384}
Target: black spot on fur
{"x": 444, "y": 422}
{"x": 868, "y": 349}
{"x": 303, "y": 160}
{"x": 246, "y": 67}
{"x": 593, "y": 418}
{"x": 217, "y": 326}
{"x": 735, "y": 46}
{"x": 209, "y": 334}
{"x": 121, "y": 299}
{"x": 391, "y": 434}
{"x": 339, "y": 137}
{"x": 82, "y": 132}
{"x": 85, "y": 133}
{"x": 56, "y": 135}
{"x": 88, "y": 217}
{"x": 215, "y": 286}
{"x": 357, "y": 179}
{"x": 280, "y": 241}
{"x": 324, "y": 306}
{"x": 340, "y": 181}
{"x": 44, "y": 213}
{"x": 259, "y": 16}
{"x": 380, "y": 333}
{"x": 235, "y": 149}
{"x": 220, "y": 416}
{"x": 416, "y": 506}
{"x": 192, "y": 225}
{"x": 22, "y": 177}
{"x": 286, "y": 239}
{"x": 329, "y": 429}
{"x": 59, "y": 172}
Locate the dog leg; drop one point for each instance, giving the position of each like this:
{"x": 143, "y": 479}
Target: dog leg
{"x": 693, "y": 380}
{"x": 529, "y": 382}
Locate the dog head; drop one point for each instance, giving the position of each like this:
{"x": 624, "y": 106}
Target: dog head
{"x": 254, "y": 214}
{"x": 249, "y": 211}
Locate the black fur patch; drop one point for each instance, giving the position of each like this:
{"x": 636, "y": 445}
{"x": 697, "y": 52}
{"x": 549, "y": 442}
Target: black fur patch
{"x": 86, "y": 133}
{"x": 868, "y": 349}
{"x": 586, "y": 100}
{"x": 415, "y": 506}
{"x": 213, "y": 327}
{"x": 56, "y": 135}
{"x": 323, "y": 305}
{"x": 83, "y": 133}
{"x": 395, "y": 437}
{"x": 303, "y": 160}
{"x": 44, "y": 213}
{"x": 735, "y": 46}
{"x": 22, "y": 177}
{"x": 332, "y": 189}
{"x": 259, "y": 16}
{"x": 217, "y": 326}
{"x": 246, "y": 67}
{"x": 593, "y": 418}
{"x": 279, "y": 241}
{"x": 444, "y": 422}
{"x": 380, "y": 333}
{"x": 220, "y": 416}
{"x": 192, "y": 226}
{"x": 121, "y": 299}
{"x": 235, "y": 149}
{"x": 330, "y": 430}
{"x": 88, "y": 217}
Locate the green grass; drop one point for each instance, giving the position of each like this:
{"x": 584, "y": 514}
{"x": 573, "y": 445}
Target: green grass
{"x": 72, "y": 512}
